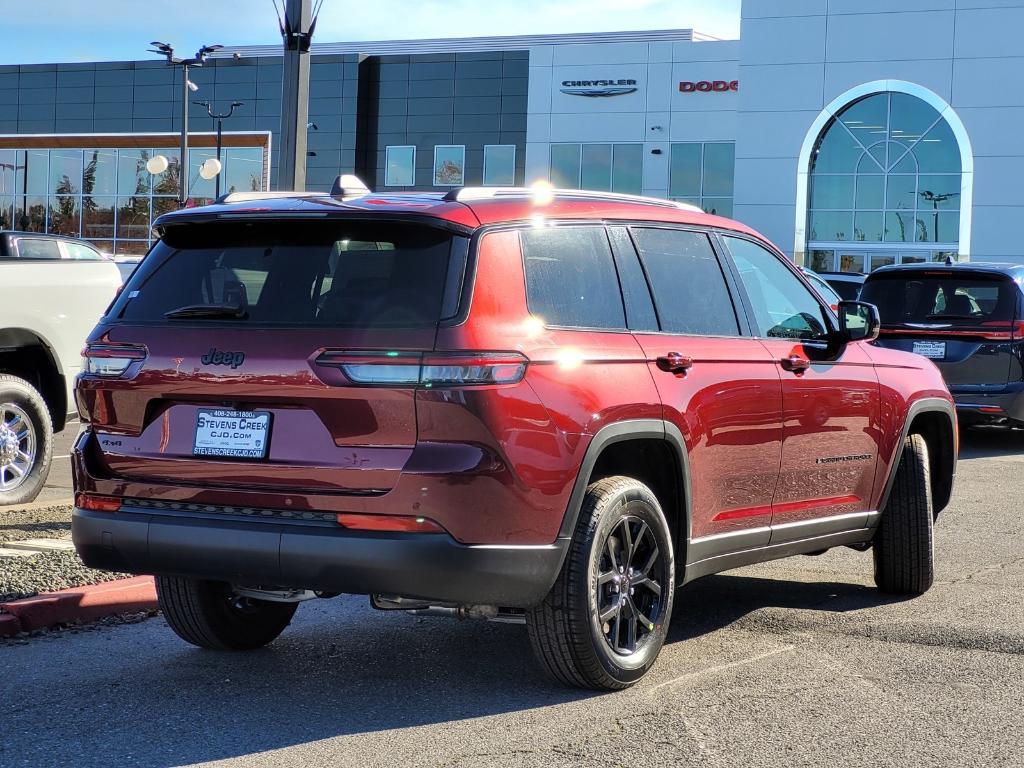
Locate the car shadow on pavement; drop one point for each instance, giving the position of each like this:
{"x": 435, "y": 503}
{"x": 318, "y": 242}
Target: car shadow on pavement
{"x": 715, "y": 602}
{"x": 991, "y": 442}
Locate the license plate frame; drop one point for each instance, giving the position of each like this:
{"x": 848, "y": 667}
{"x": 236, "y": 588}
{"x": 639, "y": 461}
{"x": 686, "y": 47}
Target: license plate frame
{"x": 933, "y": 350}
{"x": 239, "y": 440}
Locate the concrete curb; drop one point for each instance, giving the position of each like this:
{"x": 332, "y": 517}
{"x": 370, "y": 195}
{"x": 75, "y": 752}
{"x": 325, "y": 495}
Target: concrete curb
{"x": 33, "y": 505}
{"x": 79, "y": 604}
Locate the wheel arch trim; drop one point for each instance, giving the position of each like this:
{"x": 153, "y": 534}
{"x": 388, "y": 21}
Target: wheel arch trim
{"x": 917, "y": 408}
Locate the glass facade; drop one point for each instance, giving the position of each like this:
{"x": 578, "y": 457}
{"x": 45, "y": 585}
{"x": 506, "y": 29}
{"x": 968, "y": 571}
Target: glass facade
{"x": 702, "y": 173}
{"x": 106, "y": 195}
{"x": 598, "y": 167}
{"x": 885, "y": 171}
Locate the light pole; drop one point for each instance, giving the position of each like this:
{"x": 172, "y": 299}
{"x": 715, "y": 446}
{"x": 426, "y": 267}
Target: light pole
{"x": 936, "y": 198}
{"x": 186, "y": 85}
{"x": 220, "y": 127}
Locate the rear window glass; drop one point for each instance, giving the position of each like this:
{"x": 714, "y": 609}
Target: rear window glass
{"x": 311, "y": 273}
{"x": 34, "y": 248}
{"x": 570, "y": 278}
{"x": 953, "y": 298}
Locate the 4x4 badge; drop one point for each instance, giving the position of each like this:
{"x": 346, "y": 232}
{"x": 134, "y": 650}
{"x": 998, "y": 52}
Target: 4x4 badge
{"x": 216, "y": 357}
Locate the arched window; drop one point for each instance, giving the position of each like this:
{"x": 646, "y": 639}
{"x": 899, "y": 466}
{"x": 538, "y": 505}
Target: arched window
{"x": 886, "y": 170}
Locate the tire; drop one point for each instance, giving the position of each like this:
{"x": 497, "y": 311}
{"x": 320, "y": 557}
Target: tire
{"x": 571, "y": 641}
{"x": 25, "y": 430}
{"x": 904, "y": 545}
{"x": 210, "y": 615}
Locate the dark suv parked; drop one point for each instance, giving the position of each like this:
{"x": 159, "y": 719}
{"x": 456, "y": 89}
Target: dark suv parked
{"x": 561, "y": 406}
{"x": 968, "y": 319}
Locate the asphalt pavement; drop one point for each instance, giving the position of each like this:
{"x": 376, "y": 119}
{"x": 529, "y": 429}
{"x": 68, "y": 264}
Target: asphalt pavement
{"x": 58, "y": 484}
{"x": 794, "y": 663}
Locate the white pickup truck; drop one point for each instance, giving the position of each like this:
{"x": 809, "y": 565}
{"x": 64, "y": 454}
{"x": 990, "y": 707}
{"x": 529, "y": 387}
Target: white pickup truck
{"x": 54, "y": 291}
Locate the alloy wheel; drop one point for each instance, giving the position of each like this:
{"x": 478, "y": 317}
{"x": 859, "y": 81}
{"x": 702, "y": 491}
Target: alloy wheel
{"x": 17, "y": 446}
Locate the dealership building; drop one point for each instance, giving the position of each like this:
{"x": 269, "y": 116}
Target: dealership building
{"x": 853, "y": 133}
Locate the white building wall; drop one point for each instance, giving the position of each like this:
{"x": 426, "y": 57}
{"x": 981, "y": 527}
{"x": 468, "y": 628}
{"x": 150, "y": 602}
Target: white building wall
{"x": 796, "y": 56}
{"x": 655, "y": 115}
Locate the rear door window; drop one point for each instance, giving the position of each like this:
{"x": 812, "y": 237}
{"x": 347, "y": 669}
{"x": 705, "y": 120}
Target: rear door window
{"x": 79, "y": 252}
{"x": 689, "y": 287}
{"x": 37, "y": 248}
{"x": 570, "y": 278}
{"x": 948, "y": 298}
{"x": 339, "y": 274}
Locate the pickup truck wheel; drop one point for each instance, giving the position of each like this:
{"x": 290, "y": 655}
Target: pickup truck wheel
{"x": 904, "y": 546}
{"x": 26, "y": 441}
{"x": 209, "y": 614}
{"x": 607, "y": 615}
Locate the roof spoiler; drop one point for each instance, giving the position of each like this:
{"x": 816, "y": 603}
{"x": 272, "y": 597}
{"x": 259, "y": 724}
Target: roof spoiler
{"x": 346, "y": 186}
{"x": 349, "y": 185}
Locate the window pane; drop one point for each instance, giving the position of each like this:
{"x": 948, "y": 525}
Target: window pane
{"x": 867, "y": 226}
{"x": 938, "y": 227}
{"x": 80, "y": 252}
{"x": 719, "y": 206}
{"x": 499, "y": 165}
{"x": 684, "y": 175}
{"x": 163, "y": 205}
{"x": 870, "y": 191}
{"x": 640, "y": 314}
{"x": 131, "y": 247}
{"x": 565, "y": 166}
{"x": 65, "y": 171}
{"x": 100, "y": 174}
{"x": 166, "y": 183}
{"x": 400, "y": 166}
{"x": 596, "y": 168}
{"x": 881, "y": 260}
{"x": 822, "y": 261}
{"x": 627, "y": 169}
{"x": 449, "y": 166}
{"x": 837, "y": 153}
{"x": 783, "y": 306}
{"x": 901, "y": 192}
{"x": 30, "y": 213}
{"x": 689, "y": 288}
{"x": 133, "y": 217}
{"x": 939, "y": 192}
{"x": 243, "y": 170}
{"x": 570, "y": 277}
{"x": 719, "y": 165}
{"x": 98, "y": 217}
{"x": 851, "y": 262}
{"x": 6, "y": 212}
{"x": 29, "y": 248}
{"x": 65, "y": 215}
{"x": 899, "y": 227}
{"x": 938, "y": 152}
{"x": 831, "y": 225}
{"x": 197, "y": 185}
{"x": 867, "y": 118}
{"x": 830, "y": 191}
{"x": 132, "y": 176}
{"x": 32, "y": 174}
{"x": 8, "y": 161}
{"x": 909, "y": 118}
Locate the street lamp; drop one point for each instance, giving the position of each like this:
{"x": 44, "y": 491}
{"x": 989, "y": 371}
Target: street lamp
{"x": 220, "y": 127}
{"x": 186, "y": 85}
{"x": 935, "y": 198}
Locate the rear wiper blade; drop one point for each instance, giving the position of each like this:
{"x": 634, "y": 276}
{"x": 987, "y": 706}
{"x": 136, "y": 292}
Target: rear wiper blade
{"x": 952, "y": 317}
{"x": 207, "y": 312}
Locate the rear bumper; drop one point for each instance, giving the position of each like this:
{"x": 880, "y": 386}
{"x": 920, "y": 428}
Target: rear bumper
{"x": 324, "y": 558}
{"x": 991, "y": 405}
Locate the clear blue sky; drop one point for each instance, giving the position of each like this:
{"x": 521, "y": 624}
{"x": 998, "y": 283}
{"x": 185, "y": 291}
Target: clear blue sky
{"x": 46, "y": 31}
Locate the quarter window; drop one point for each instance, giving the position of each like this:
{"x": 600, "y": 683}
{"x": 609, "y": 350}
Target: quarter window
{"x": 570, "y": 278}
{"x": 400, "y": 165}
{"x": 784, "y": 308}
{"x": 33, "y": 248}
{"x": 689, "y": 287}
{"x": 80, "y": 252}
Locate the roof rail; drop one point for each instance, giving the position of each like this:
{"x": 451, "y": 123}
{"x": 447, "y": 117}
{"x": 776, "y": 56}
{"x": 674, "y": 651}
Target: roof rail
{"x": 465, "y": 194}
{"x": 345, "y": 186}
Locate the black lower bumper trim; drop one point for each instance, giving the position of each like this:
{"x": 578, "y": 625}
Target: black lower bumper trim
{"x": 425, "y": 566}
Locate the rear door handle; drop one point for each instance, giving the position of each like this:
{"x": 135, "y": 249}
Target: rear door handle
{"x": 795, "y": 363}
{"x": 673, "y": 362}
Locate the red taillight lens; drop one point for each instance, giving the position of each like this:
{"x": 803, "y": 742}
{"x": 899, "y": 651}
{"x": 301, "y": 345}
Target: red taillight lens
{"x": 389, "y": 523}
{"x": 97, "y": 503}
{"x": 412, "y": 369}
{"x": 110, "y": 360}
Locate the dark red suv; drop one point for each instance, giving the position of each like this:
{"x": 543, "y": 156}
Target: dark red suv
{"x": 495, "y": 403}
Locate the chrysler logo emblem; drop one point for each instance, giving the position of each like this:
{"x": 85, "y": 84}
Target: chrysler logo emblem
{"x": 598, "y": 88}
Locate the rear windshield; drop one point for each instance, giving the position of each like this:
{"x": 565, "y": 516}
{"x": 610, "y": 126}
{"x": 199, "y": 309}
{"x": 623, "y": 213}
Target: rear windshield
{"x": 941, "y": 298}
{"x": 342, "y": 274}
{"x": 847, "y": 289}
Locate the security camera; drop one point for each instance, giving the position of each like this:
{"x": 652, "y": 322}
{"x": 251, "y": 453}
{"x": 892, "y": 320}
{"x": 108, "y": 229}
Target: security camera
{"x": 236, "y": 56}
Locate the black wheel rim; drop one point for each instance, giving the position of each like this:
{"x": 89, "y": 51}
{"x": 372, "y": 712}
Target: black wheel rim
{"x": 630, "y": 576}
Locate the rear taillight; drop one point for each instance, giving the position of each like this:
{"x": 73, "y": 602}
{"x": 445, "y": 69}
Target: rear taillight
{"x": 110, "y": 360}
{"x": 389, "y": 523}
{"x": 414, "y": 369}
{"x": 1006, "y": 332}
{"x": 95, "y": 503}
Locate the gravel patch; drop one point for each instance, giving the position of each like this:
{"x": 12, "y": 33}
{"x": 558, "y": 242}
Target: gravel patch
{"x": 42, "y": 523}
{"x": 46, "y": 572}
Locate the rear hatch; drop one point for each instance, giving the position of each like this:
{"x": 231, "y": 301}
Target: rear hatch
{"x": 965, "y": 320}
{"x": 241, "y": 354}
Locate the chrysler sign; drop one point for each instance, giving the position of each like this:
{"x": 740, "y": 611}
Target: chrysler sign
{"x": 597, "y": 88}
{"x": 709, "y": 86}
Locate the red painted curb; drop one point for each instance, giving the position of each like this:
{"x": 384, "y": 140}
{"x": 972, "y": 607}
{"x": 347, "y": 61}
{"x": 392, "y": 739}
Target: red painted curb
{"x": 9, "y": 625}
{"x": 89, "y": 603}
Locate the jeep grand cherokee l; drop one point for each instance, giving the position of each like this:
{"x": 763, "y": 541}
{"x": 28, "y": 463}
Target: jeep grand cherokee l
{"x": 562, "y": 406}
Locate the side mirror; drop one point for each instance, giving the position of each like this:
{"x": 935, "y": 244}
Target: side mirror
{"x": 858, "y": 321}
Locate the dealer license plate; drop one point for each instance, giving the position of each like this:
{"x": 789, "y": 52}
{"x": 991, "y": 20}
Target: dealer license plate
{"x": 232, "y": 434}
{"x": 936, "y": 350}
